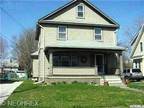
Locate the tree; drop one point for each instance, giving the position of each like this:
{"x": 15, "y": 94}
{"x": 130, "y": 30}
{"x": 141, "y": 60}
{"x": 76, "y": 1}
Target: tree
{"x": 130, "y": 34}
{"x": 23, "y": 46}
{"x": 3, "y": 47}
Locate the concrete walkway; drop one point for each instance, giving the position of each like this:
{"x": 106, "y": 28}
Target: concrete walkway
{"x": 6, "y": 90}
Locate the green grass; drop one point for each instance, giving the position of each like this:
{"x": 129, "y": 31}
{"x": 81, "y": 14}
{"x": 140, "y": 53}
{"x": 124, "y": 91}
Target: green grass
{"x": 137, "y": 85}
{"x": 72, "y": 96}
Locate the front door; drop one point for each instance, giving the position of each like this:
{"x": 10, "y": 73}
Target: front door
{"x": 99, "y": 63}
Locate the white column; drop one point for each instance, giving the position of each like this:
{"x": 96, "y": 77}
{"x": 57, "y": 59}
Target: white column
{"x": 50, "y": 63}
{"x": 121, "y": 64}
{"x": 138, "y": 65}
{"x": 134, "y": 65}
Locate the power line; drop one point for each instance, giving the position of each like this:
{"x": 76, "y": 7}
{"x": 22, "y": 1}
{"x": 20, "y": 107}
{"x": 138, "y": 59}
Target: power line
{"x": 14, "y": 19}
{"x": 3, "y": 36}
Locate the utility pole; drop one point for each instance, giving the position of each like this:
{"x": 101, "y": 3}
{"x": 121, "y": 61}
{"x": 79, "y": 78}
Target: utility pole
{"x": 1, "y": 54}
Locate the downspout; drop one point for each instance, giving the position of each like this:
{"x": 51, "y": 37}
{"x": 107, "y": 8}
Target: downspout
{"x": 43, "y": 46}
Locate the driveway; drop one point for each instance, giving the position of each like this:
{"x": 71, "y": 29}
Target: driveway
{"x": 6, "y": 90}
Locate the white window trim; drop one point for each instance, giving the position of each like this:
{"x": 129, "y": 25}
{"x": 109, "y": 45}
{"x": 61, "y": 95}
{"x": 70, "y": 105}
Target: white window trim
{"x": 58, "y": 38}
{"x": 98, "y": 34}
{"x": 81, "y": 4}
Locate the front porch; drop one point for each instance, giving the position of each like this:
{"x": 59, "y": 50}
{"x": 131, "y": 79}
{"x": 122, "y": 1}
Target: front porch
{"x": 80, "y": 62}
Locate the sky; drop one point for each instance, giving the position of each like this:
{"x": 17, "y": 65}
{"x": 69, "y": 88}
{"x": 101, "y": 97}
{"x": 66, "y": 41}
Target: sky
{"x": 17, "y": 15}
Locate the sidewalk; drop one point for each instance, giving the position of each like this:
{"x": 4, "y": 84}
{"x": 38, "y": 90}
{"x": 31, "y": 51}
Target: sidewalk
{"x": 6, "y": 90}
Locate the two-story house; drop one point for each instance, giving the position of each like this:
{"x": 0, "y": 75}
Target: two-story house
{"x": 137, "y": 53}
{"x": 77, "y": 42}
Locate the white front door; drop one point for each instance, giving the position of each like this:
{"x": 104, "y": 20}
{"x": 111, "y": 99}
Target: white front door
{"x": 99, "y": 63}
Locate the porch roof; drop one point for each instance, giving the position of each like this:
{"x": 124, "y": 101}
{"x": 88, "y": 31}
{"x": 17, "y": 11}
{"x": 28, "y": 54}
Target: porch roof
{"x": 34, "y": 54}
{"x": 85, "y": 45}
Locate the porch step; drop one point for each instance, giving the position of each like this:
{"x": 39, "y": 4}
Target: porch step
{"x": 112, "y": 80}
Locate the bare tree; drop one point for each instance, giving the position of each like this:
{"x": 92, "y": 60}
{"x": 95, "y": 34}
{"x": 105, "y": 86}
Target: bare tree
{"x": 3, "y": 47}
{"x": 132, "y": 30}
{"x": 130, "y": 34}
{"x": 23, "y": 47}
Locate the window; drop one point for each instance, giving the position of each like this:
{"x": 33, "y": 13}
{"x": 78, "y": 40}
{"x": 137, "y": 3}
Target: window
{"x": 141, "y": 46}
{"x": 61, "y": 60}
{"x": 56, "y": 60}
{"x": 62, "y": 32}
{"x": 80, "y": 11}
{"x": 74, "y": 60}
{"x": 65, "y": 60}
{"x": 98, "y": 33}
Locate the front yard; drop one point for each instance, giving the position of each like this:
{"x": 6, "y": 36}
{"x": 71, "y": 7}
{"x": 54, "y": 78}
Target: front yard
{"x": 71, "y": 96}
{"x": 137, "y": 85}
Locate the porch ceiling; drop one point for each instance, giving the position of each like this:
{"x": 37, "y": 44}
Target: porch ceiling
{"x": 92, "y": 48}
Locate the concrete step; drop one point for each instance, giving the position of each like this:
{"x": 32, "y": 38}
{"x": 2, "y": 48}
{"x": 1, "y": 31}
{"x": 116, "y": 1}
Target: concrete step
{"x": 112, "y": 80}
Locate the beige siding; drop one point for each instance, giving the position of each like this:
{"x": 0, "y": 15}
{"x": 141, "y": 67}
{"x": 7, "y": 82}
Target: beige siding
{"x": 137, "y": 51}
{"x": 90, "y": 17}
{"x": 74, "y": 71}
{"x": 76, "y": 35}
{"x": 41, "y": 63}
{"x": 35, "y": 68}
{"x": 142, "y": 66}
{"x": 79, "y": 34}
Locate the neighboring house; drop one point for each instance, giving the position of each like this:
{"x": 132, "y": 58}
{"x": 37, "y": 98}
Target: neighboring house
{"x": 77, "y": 42}
{"x": 137, "y": 54}
{"x": 9, "y": 64}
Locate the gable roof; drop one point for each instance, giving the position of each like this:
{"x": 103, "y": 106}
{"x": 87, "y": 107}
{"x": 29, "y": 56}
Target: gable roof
{"x": 71, "y": 4}
{"x": 137, "y": 39}
{"x": 50, "y": 15}
{"x": 137, "y": 34}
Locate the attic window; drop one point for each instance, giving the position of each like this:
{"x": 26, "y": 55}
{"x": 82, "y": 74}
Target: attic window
{"x": 80, "y": 11}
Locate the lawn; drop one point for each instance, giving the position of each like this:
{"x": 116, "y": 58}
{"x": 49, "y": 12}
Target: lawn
{"x": 71, "y": 96}
{"x": 137, "y": 85}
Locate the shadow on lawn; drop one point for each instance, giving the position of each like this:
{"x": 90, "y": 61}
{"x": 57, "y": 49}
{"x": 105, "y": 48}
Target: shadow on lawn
{"x": 23, "y": 90}
{"x": 6, "y": 81}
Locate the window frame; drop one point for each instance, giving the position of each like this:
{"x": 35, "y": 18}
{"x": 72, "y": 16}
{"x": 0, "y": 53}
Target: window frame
{"x": 98, "y": 34}
{"x": 66, "y": 33}
{"x": 77, "y": 11}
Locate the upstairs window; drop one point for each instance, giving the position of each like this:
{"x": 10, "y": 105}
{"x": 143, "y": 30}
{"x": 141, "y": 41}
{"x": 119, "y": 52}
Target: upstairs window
{"x": 141, "y": 46}
{"x": 62, "y": 33}
{"x": 80, "y": 11}
{"x": 98, "y": 33}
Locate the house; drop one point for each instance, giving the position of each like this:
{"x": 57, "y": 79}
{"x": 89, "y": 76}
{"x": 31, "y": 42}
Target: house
{"x": 77, "y": 42}
{"x": 9, "y": 64}
{"x": 137, "y": 54}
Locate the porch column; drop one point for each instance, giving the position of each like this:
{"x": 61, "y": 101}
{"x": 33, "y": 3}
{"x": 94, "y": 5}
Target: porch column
{"x": 50, "y": 63}
{"x": 121, "y": 63}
